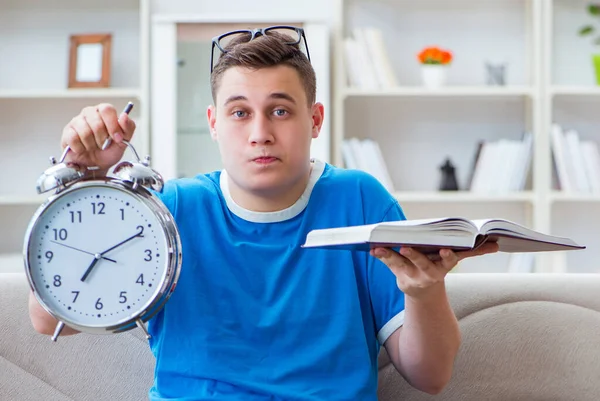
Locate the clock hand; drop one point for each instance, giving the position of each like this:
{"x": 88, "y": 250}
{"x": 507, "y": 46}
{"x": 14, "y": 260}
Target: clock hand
{"x": 81, "y": 250}
{"x": 91, "y": 266}
{"x": 121, "y": 243}
{"x": 99, "y": 256}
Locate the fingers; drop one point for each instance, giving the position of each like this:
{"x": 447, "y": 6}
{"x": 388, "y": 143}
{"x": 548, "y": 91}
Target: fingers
{"x": 397, "y": 263}
{"x": 417, "y": 258}
{"x": 94, "y": 125}
{"x": 108, "y": 115}
{"x": 71, "y": 138}
{"x": 97, "y": 124}
{"x": 449, "y": 259}
{"x": 119, "y": 127}
{"x": 83, "y": 134}
{"x": 409, "y": 260}
{"x": 127, "y": 126}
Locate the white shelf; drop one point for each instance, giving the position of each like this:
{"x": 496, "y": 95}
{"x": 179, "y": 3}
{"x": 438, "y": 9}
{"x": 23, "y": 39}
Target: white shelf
{"x": 100, "y": 93}
{"x": 448, "y": 91}
{"x": 70, "y": 5}
{"x": 558, "y": 196}
{"x": 462, "y": 196}
{"x": 575, "y": 91}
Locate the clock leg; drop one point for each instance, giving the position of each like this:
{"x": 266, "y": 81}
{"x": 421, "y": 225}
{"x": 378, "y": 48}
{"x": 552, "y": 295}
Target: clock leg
{"x": 142, "y": 326}
{"x": 59, "y": 327}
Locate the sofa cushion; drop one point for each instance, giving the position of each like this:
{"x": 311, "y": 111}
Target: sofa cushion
{"x": 80, "y": 367}
{"x": 525, "y": 337}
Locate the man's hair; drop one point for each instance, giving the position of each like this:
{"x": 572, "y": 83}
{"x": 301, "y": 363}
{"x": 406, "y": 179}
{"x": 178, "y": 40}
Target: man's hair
{"x": 265, "y": 51}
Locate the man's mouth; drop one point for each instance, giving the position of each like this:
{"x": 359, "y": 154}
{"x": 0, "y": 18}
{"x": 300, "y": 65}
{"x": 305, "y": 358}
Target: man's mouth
{"x": 265, "y": 159}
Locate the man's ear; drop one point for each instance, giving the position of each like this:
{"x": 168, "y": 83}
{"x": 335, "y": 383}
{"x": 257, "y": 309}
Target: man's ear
{"x": 318, "y": 114}
{"x": 211, "y": 116}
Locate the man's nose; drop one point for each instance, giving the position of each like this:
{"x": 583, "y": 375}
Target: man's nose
{"x": 261, "y": 131}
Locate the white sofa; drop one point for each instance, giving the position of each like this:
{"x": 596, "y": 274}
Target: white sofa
{"x": 525, "y": 337}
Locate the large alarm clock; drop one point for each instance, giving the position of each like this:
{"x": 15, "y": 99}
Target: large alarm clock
{"x": 102, "y": 254}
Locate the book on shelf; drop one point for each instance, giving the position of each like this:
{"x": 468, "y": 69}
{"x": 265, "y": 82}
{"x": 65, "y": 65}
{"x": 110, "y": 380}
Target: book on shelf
{"x": 576, "y": 161}
{"x": 513, "y": 155}
{"x": 366, "y": 59}
{"x": 366, "y": 155}
{"x": 430, "y": 235}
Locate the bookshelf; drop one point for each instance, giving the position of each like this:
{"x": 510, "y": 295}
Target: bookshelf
{"x": 572, "y": 101}
{"x": 549, "y": 79}
{"x": 36, "y": 103}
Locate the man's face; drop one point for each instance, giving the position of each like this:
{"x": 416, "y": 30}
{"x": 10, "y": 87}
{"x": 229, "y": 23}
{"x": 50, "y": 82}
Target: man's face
{"x": 264, "y": 126}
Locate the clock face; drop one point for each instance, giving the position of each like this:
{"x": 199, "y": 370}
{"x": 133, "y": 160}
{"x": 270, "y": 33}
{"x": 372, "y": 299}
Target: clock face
{"x": 97, "y": 256}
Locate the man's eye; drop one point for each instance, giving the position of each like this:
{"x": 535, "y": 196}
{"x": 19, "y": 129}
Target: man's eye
{"x": 280, "y": 112}
{"x": 239, "y": 114}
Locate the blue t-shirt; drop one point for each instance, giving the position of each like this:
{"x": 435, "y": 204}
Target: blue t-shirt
{"x": 254, "y": 315}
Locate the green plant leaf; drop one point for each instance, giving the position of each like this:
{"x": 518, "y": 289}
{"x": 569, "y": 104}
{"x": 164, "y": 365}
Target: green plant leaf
{"x": 594, "y": 9}
{"x": 586, "y": 30}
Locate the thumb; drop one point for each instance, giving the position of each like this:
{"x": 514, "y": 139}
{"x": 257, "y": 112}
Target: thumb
{"x": 127, "y": 125}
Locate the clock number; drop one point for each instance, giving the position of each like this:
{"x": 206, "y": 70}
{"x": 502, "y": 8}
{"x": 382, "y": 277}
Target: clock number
{"x": 141, "y": 230}
{"x": 122, "y": 297}
{"x": 122, "y": 214}
{"x": 98, "y": 208}
{"x": 57, "y": 282}
{"x": 99, "y": 304}
{"x": 49, "y": 256}
{"x": 76, "y": 295}
{"x": 75, "y": 216}
{"x": 148, "y": 257}
{"x": 140, "y": 280}
{"x": 60, "y": 234}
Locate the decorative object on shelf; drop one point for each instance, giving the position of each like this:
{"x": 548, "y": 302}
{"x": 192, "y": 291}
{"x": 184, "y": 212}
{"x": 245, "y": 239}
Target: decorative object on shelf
{"x": 496, "y": 73}
{"x": 434, "y": 66}
{"x": 587, "y": 30}
{"x": 90, "y": 61}
{"x": 448, "y": 182}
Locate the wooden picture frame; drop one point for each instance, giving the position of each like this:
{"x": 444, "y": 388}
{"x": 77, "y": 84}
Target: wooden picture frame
{"x": 90, "y": 61}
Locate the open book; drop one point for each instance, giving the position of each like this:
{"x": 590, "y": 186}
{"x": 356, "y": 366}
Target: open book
{"x": 430, "y": 235}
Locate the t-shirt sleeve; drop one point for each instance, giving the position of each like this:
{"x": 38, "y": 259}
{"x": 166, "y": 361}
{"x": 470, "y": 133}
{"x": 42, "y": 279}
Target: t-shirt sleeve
{"x": 168, "y": 196}
{"x": 387, "y": 300}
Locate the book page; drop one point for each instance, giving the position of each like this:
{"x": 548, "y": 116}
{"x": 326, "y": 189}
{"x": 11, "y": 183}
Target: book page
{"x": 507, "y": 228}
{"x": 480, "y": 223}
{"x": 442, "y": 222}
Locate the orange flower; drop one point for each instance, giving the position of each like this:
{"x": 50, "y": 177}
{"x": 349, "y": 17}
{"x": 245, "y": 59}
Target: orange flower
{"x": 446, "y": 57}
{"x": 435, "y": 55}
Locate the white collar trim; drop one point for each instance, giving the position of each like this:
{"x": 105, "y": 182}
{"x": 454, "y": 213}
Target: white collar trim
{"x": 277, "y": 216}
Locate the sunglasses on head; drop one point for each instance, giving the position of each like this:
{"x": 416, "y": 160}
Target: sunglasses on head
{"x": 220, "y": 43}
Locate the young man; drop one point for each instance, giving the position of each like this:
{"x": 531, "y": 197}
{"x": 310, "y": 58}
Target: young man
{"x": 255, "y": 316}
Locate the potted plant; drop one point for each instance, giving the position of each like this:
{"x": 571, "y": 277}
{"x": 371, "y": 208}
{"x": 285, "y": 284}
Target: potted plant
{"x": 434, "y": 64}
{"x": 589, "y": 30}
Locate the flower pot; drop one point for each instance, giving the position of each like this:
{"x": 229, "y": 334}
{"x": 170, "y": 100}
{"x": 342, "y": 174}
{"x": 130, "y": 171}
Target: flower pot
{"x": 433, "y": 75}
{"x": 596, "y": 60}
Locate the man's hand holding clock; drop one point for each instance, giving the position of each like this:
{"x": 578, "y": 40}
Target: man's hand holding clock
{"x": 90, "y": 204}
